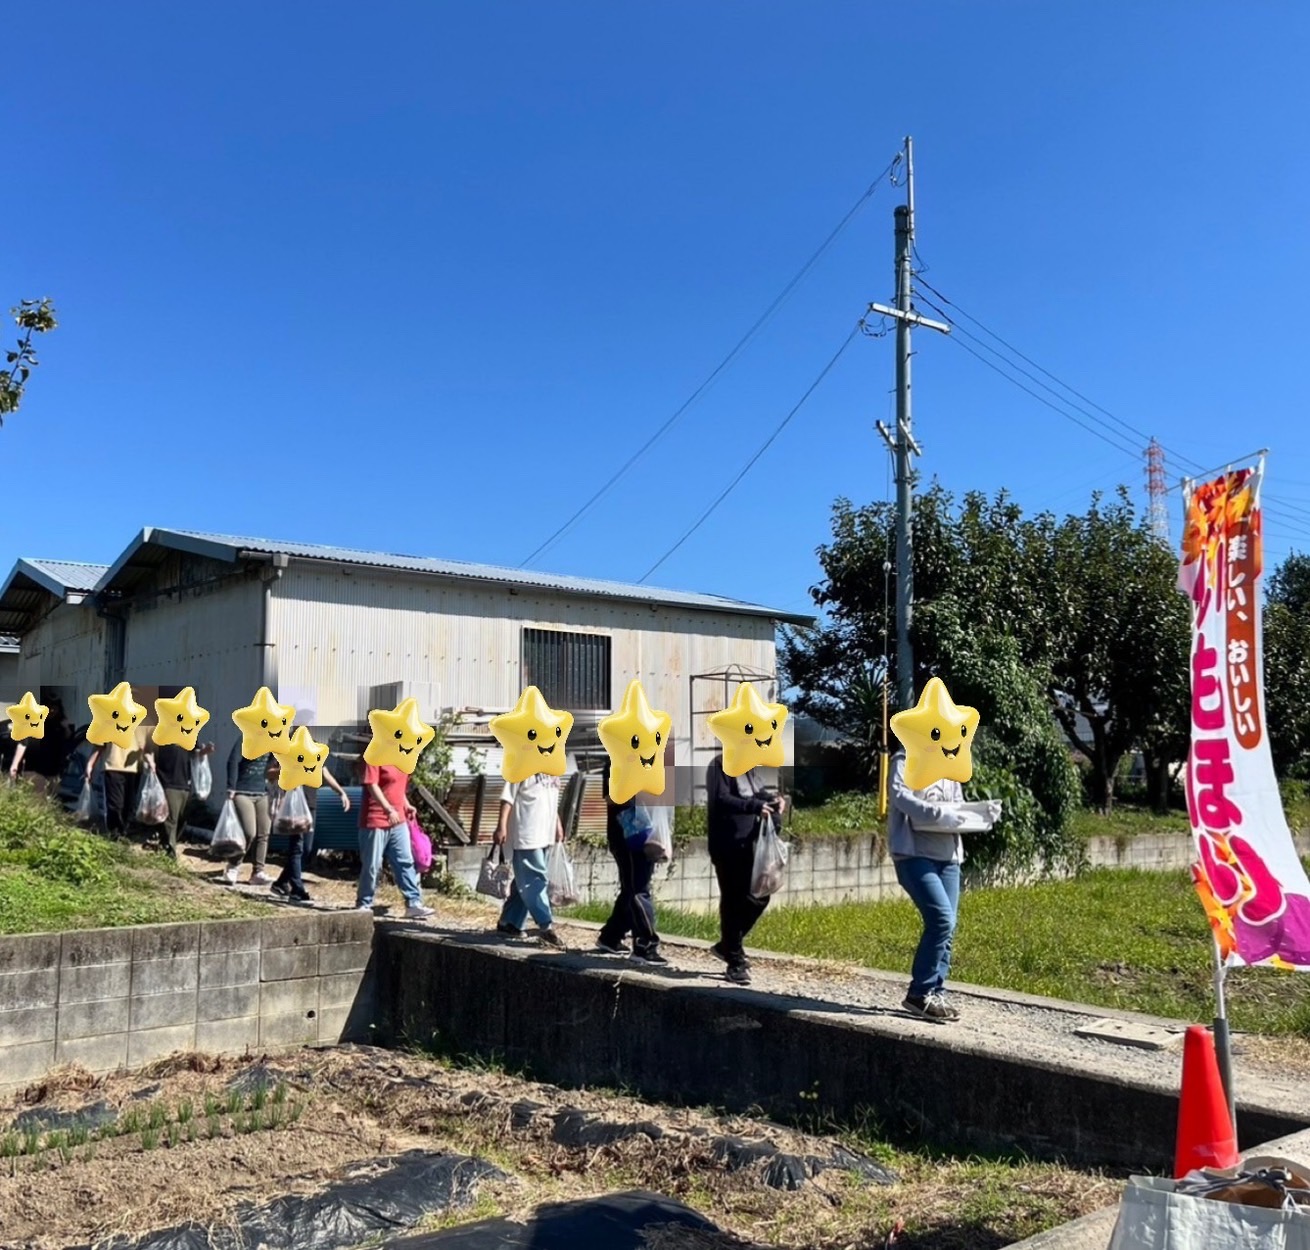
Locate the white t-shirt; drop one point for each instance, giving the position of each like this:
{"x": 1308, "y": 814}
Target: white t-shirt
{"x": 532, "y": 820}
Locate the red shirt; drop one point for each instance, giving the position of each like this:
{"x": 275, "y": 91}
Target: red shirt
{"x": 393, "y": 784}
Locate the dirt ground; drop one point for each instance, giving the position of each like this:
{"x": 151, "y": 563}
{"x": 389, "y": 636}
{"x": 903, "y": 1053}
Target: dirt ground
{"x": 179, "y": 1145}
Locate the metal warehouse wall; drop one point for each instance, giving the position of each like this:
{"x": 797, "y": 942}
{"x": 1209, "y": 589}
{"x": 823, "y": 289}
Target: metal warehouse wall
{"x": 342, "y": 631}
{"x": 67, "y": 649}
{"x": 209, "y": 641}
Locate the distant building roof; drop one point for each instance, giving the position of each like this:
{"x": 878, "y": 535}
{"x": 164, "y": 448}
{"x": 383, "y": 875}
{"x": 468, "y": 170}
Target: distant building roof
{"x": 32, "y": 583}
{"x": 144, "y": 554}
{"x": 8, "y": 642}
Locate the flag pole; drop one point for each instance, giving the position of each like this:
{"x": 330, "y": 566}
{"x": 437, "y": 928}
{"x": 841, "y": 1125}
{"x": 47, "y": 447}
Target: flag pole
{"x": 1222, "y": 1040}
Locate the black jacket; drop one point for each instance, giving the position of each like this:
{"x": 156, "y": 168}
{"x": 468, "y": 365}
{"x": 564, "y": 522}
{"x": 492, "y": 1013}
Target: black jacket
{"x": 733, "y": 819}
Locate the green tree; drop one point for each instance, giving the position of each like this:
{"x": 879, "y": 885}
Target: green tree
{"x": 34, "y": 316}
{"x": 1287, "y": 667}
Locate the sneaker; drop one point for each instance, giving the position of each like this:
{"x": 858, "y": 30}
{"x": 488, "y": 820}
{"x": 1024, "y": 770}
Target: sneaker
{"x": 652, "y": 957}
{"x": 738, "y": 974}
{"x": 301, "y": 896}
{"x": 280, "y": 888}
{"x": 416, "y": 911}
{"x": 228, "y": 876}
{"x": 717, "y": 951}
{"x": 509, "y": 931}
{"x": 260, "y": 878}
{"x": 548, "y": 937}
{"x": 948, "y": 1009}
{"x": 368, "y": 907}
{"x": 926, "y": 1008}
{"x": 604, "y": 948}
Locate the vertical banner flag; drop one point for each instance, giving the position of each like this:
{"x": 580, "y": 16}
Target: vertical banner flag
{"x": 1251, "y": 883}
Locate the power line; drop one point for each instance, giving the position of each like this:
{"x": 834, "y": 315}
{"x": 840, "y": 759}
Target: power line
{"x": 758, "y": 325}
{"x": 768, "y": 442}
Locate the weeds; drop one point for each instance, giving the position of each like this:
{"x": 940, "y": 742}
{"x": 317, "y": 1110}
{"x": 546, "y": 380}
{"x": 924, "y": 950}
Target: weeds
{"x": 259, "y": 1097}
{"x": 31, "y": 1141}
{"x": 185, "y": 1111}
{"x": 10, "y": 1146}
{"x": 158, "y": 1115}
{"x": 234, "y": 1101}
{"x": 280, "y": 1093}
{"x": 149, "y": 1138}
{"x": 212, "y": 1105}
{"x": 213, "y": 1127}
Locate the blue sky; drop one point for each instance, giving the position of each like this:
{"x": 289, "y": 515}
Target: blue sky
{"x": 418, "y": 277}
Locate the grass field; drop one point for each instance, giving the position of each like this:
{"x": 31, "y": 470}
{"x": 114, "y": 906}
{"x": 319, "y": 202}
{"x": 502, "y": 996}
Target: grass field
{"x": 1128, "y": 939}
{"x": 55, "y": 876}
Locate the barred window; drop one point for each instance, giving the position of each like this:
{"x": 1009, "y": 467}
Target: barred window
{"x": 572, "y": 671}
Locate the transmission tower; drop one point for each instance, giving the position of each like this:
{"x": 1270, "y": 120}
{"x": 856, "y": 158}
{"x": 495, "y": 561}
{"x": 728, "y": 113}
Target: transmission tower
{"x": 1157, "y": 492}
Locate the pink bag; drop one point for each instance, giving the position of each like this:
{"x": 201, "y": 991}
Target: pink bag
{"x": 421, "y": 845}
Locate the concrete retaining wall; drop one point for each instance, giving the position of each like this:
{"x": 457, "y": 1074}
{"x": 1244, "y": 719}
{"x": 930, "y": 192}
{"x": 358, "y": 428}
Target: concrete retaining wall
{"x": 701, "y": 1045}
{"x": 824, "y": 870}
{"x": 113, "y": 998}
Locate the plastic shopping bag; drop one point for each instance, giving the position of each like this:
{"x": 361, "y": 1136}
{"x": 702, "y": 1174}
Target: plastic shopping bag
{"x": 659, "y": 846}
{"x": 421, "y": 845}
{"x": 202, "y": 778}
{"x": 770, "y": 860}
{"x": 636, "y": 825}
{"x": 1155, "y": 1213}
{"x": 82, "y": 809}
{"x": 293, "y": 812}
{"x": 560, "y": 882}
{"x": 229, "y": 838}
{"x": 495, "y": 875}
{"x": 151, "y": 806}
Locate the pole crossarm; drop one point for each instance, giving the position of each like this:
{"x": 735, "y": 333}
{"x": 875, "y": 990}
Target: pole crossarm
{"x": 912, "y": 317}
{"x": 905, "y": 434}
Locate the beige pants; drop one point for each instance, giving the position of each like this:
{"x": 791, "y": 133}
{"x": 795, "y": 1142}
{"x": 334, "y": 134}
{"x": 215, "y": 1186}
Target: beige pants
{"x": 252, "y": 812}
{"x": 177, "y": 802}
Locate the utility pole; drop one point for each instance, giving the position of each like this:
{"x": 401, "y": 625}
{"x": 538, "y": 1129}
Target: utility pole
{"x": 902, "y": 444}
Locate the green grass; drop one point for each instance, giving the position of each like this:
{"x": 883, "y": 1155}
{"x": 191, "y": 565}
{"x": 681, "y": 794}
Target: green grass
{"x": 1131, "y": 939}
{"x": 1127, "y": 820}
{"x": 55, "y": 876}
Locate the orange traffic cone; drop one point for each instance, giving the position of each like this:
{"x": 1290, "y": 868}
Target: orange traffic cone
{"x": 1205, "y": 1129}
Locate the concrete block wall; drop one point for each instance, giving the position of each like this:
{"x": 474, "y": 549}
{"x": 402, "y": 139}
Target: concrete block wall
{"x": 119, "y": 998}
{"x": 824, "y": 871}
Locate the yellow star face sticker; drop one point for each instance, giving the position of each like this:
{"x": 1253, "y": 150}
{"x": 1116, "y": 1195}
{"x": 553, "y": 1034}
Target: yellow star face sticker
{"x": 265, "y": 724}
{"x": 937, "y": 737}
{"x": 534, "y": 738}
{"x": 303, "y": 764}
{"x": 27, "y": 718}
{"x": 635, "y": 737}
{"x": 751, "y": 732}
{"x": 398, "y": 737}
{"x": 114, "y": 717}
{"x": 180, "y": 720}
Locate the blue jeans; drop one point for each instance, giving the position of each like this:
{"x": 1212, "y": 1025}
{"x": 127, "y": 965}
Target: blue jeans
{"x": 529, "y": 894}
{"x": 394, "y": 844}
{"x": 934, "y": 888}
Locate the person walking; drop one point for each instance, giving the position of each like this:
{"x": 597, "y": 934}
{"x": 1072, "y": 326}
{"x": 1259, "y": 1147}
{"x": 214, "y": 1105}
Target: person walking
{"x": 529, "y": 825}
{"x": 634, "y": 909}
{"x": 122, "y": 772}
{"x": 300, "y": 846}
{"x": 174, "y": 766}
{"x": 311, "y": 798}
{"x": 736, "y": 807}
{"x": 42, "y": 760}
{"x": 384, "y": 817}
{"x": 247, "y": 787}
{"x": 924, "y": 840}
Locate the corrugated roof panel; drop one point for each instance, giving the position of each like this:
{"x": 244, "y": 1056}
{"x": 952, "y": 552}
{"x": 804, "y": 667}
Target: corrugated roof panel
{"x": 479, "y": 572}
{"x": 71, "y": 574}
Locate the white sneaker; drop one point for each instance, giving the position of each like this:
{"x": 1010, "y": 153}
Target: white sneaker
{"x": 228, "y": 876}
{"x": 260, "y": 878}
{"x": 417, "y": 911}
{"x": 368, "y": 907}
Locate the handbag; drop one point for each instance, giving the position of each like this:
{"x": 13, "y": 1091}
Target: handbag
{"x": 495, "y": 875}
{"x": 421, "y": 847}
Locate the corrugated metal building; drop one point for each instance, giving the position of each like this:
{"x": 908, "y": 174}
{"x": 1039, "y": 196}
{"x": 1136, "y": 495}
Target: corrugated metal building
{"x": 10, "y": 691}
{"x": 335, "y": 631}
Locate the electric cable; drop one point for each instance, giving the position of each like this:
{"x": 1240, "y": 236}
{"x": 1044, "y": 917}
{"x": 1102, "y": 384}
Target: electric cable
{"x": 758, "y": 325}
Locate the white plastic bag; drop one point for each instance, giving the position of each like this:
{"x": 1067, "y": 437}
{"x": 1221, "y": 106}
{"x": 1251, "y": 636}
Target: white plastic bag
{"x": 82, "y": 809}
{"x": 202, "y": 778}
{"x": 560, "y": 882}
{"x": 770, "y": 860}
{"x": 659, "y": 845}
{"x": 229, "y": 838}
{"x": 292, "y": 813}
{"x": 151, "y": 805}
{"x": 1154, "y": 1215}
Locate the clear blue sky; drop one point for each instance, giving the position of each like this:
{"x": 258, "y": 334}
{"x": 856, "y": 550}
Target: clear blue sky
{"x": 418, "y": 277}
